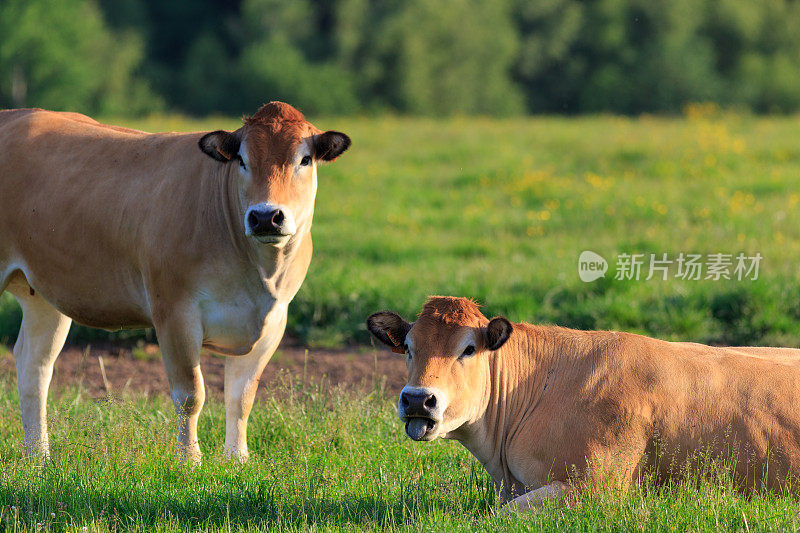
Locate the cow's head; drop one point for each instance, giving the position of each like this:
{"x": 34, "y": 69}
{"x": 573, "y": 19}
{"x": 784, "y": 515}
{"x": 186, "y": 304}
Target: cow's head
{"x": 447, "y": 352}
{"x": 276, "y": 153}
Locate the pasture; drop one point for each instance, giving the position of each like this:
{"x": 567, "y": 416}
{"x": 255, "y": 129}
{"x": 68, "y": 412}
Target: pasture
{"x": 322, "y": 459}
{"x": 498, "y": 210}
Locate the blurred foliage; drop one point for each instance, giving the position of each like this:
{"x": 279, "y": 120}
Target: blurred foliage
{"x": 495, "y": 57}
{"x": 60, "y": 54}
{"x": 629, "y": 56}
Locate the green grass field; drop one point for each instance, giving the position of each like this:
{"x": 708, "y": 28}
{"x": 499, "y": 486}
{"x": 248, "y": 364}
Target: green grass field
{"x": 322, "y": 460}
{"x": 500, "y": 210}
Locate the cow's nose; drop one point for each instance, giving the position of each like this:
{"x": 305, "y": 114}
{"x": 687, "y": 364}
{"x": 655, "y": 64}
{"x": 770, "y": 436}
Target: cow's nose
{"x": 418, "y": 403}
{"x": 266, "y": 222}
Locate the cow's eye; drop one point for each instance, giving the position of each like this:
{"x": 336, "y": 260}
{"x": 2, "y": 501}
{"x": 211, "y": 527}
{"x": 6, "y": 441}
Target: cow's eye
{"x": 408, "y": 352}
{"x": 305, "y": 161}
{"x": 469, "y": 350}
{"x": 241, "y": 163}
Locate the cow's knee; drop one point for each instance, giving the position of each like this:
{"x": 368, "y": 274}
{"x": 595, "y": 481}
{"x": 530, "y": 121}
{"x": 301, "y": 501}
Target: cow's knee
{"x": 535, "y": 499}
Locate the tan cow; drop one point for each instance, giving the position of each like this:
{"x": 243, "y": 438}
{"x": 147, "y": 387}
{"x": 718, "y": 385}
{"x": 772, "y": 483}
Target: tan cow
{"x": 205, "y": 237}
{"x": 541, "y": 406}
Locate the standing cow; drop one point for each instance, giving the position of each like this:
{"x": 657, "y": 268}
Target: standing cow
{"x": 540, "y": 406}
{"x": 205, "y": 237}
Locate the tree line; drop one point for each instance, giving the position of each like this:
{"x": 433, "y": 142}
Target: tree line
{"x": 493, "y": 57}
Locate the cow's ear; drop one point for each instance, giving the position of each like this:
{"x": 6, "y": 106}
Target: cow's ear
{"x": 390, "y": 329}
{"x": 221, "y": 145}
{"x": 497, "y": 333}
{"x": 330, "y": 145}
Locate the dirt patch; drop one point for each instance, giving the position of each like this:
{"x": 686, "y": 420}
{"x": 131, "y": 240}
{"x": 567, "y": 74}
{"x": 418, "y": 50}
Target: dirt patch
{"x": 141, "y": 370}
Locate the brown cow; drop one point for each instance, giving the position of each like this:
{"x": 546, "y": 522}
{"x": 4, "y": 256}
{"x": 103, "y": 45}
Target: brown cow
{"x": 204, "y": 236}
{"x": 540, "y": 406}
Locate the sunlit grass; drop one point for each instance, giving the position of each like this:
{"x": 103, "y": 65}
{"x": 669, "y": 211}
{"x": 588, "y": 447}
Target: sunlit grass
{"x": 322, "y": 459}
{"x": 500, "y": 210}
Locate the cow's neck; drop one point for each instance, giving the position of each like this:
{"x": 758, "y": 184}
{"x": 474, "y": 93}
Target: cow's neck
{"x": 273, "y": 269}
{"x": 521, "y": 373}
{"x": 282, "y": 270}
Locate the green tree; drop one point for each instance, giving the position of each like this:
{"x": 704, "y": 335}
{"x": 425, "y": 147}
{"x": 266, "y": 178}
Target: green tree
{"x": 631, "y": 56}
{"x": 58, "y": 54}
{"x": 757, "y": 52}
{"x": 456, "y": 57}
{"x": 283, "y": 59}
{"x": 208, "y": 79}
{"x": 549, "y": 32}
{"x": 652, "y": 55}
{"x": 615, "y": 55}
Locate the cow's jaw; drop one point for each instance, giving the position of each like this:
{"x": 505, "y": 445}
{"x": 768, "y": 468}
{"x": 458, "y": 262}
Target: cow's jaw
{"x": 279, "y": 241}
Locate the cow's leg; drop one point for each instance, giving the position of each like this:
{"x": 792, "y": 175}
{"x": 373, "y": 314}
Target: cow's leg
{"x": 41, "y": 337}
{"x": 241, "y": 382}
{"x": 534, "y": 499}
{"x": 180, "y": 340}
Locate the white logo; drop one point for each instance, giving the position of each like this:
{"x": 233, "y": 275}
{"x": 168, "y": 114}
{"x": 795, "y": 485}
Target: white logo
{"x": 591, "y": 266}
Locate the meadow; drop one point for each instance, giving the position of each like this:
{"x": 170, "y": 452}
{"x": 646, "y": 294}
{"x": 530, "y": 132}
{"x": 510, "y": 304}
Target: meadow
{"x": 323, "y": 459}
{"x": 500, "y": 210}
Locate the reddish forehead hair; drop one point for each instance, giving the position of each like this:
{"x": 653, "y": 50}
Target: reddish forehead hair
{"x": 452, "y": 310}
{"x": 275, "y": 112}
{"x": 274, "y": 132}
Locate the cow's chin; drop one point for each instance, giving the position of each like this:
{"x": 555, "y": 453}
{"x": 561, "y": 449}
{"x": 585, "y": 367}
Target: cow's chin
{"x": 278, "y": 241}
{"x": 421, "y": 428}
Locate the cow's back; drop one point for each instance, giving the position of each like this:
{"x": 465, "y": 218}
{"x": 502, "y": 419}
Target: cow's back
{"x": 9, "y": 115}
{"x": 83, "y": 206}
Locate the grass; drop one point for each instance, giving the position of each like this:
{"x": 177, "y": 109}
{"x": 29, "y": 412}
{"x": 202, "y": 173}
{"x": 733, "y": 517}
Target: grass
{"x": 494, "y": 209}
{"x": 322, "y": 460}
{"x": 144, "y": 352}
{"x": 500, "y": 210}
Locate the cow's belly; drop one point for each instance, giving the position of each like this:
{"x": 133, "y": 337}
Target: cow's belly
{"x": 233, "y": 327}
{"x": 114, "y": 301}
{"x": 111, "y": 318}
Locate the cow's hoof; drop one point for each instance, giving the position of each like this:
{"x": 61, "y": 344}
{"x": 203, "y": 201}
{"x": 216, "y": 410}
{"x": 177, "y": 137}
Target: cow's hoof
{"x": 190, "y": 455}
{"x": 37, "y": 454}
{"x": 237, "y": 455}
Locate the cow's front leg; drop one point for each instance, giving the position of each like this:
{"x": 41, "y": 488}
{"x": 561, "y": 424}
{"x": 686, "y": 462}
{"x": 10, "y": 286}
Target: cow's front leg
{"x": 533, "y": 500}
{"x": 241, "y": 382}
{"x": 180, "y": 339}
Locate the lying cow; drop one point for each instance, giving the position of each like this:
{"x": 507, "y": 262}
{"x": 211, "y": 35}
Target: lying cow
{"x": 205, "y": 237}
{"x": 543, "y": 406}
